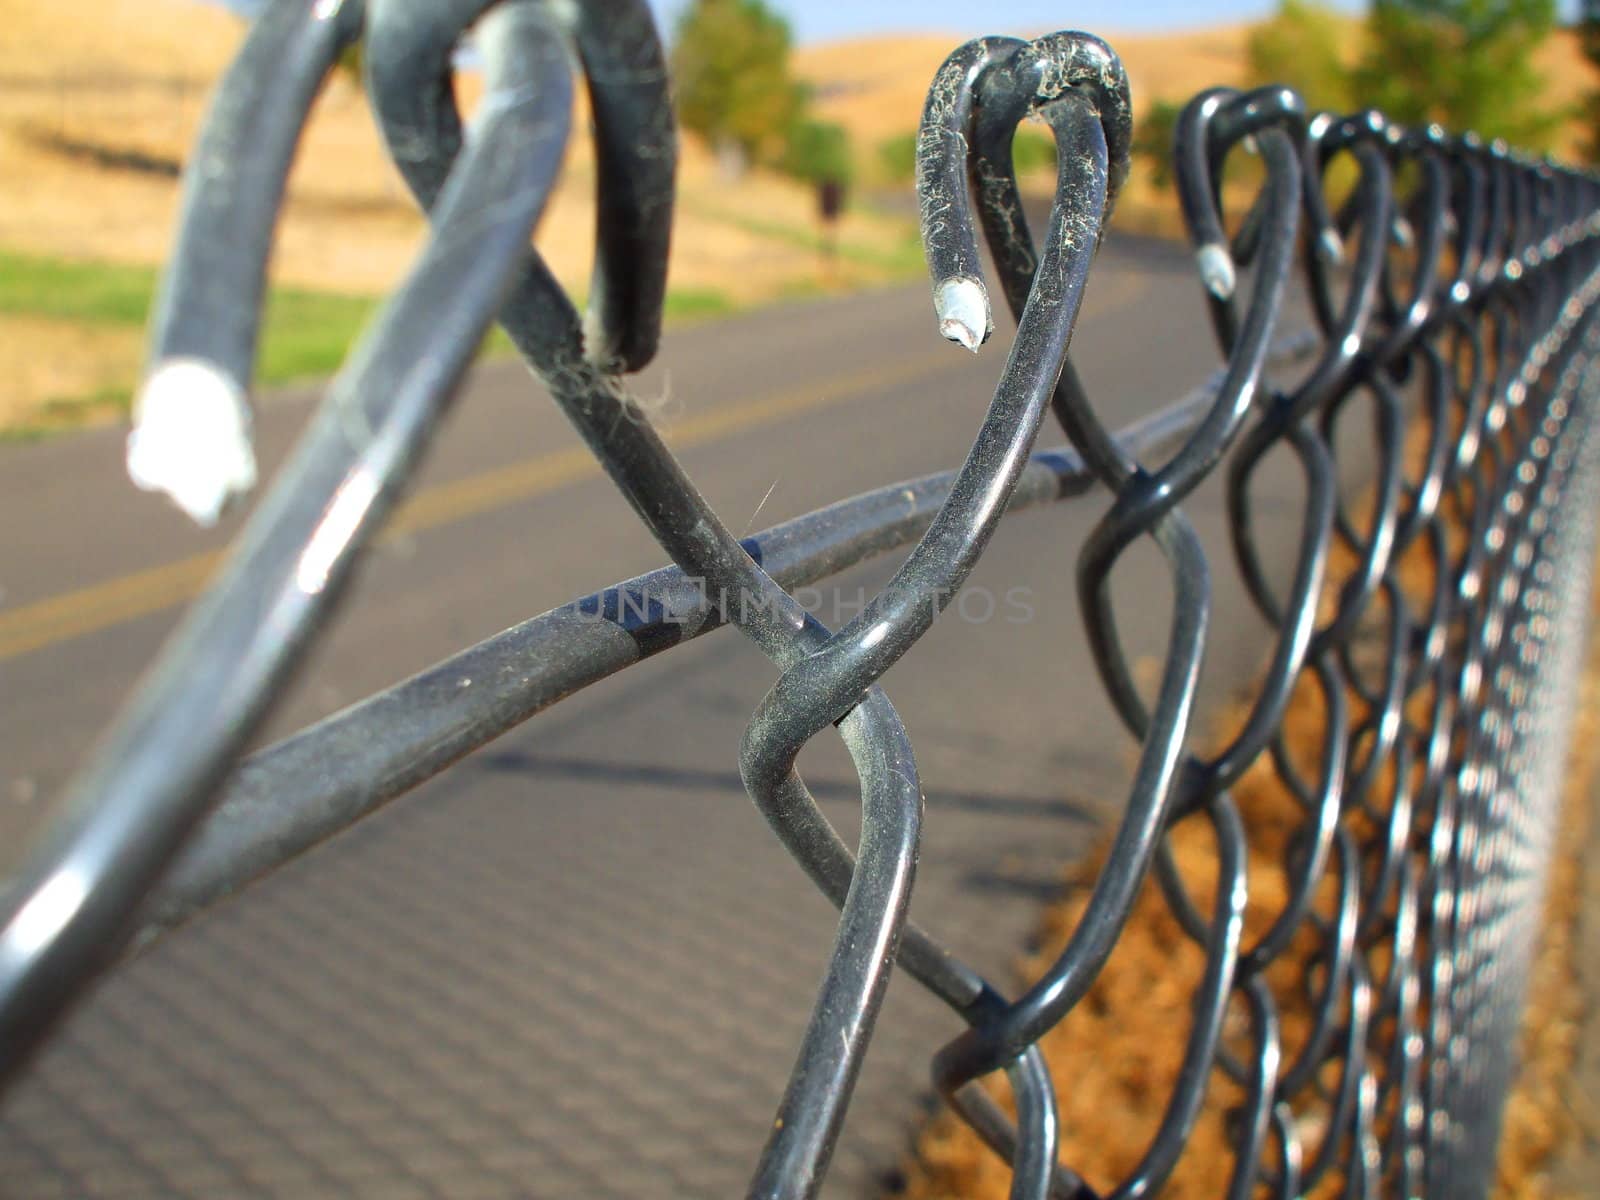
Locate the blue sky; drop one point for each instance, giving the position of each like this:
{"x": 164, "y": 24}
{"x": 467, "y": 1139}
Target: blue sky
{"x": 821, "y": 20}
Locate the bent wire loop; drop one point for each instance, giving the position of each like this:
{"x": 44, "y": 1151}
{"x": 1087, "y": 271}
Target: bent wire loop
{"x": 1451, "y": 287}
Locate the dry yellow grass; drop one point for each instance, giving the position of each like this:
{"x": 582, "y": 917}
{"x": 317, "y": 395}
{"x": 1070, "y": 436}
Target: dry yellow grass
{"x": 63, "y": 358}
{"x": 875, "y": 86}
{"x": 82, "y": 79}
{"x": 131, "y": 75}
{"x": 114, "y": 39}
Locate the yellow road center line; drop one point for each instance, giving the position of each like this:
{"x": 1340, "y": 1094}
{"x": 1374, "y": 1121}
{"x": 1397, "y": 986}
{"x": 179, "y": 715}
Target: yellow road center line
{"x": 129, "y": 597}
{"x": 139, "y": 594}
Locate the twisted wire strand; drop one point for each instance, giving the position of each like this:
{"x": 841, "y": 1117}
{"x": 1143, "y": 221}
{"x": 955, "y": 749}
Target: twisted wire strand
{"x": 1361, "y": 1028}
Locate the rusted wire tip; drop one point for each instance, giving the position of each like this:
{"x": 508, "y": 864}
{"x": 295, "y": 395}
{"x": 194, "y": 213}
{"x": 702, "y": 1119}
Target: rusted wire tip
{"x": 1216, "y": 270}
{"x": 191, "y": 438}
{"x": 962, "y": 307}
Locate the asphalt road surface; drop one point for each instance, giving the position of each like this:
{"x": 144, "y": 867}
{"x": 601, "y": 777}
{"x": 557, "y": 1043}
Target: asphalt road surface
{"x": 578, "y": 963}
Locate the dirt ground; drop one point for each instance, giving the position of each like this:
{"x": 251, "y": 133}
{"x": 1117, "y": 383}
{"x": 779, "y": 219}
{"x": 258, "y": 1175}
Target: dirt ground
{"x": 1575, "y": 1165}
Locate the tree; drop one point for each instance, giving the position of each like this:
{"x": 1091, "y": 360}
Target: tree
{"x": 1152, "y": 140}
{"x": 818, "y": 152}
{"x": 1467, "y": 64}
{"x": 1305, "y": 46}
{"x": 731, "y": 65}
{"x": 897, "y": 157}
{"x": 1032, "y": 151}
{"x": 1589, "y": 107}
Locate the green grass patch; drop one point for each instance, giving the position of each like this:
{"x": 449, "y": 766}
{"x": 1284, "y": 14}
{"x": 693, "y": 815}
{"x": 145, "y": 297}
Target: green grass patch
{"x": 101, "y": 293}
{"x": 305, "y": 335}
{"x": 698, "y": 304}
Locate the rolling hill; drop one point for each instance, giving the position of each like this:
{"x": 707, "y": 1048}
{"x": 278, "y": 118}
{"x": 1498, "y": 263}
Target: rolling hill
{"x": 100, "y": 101}
{"x": 875, "y": 86}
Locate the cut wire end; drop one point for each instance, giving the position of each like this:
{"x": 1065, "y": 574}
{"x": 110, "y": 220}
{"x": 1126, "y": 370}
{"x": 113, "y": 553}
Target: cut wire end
{"x": 962, "y": 307}
{"x": 1331, "y": 246}
{"x": 192, "y": 438}
{"x": 1216, "y": 271}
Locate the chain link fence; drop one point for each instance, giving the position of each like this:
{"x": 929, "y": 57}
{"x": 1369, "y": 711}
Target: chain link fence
{"x": 1368, "y": 1020}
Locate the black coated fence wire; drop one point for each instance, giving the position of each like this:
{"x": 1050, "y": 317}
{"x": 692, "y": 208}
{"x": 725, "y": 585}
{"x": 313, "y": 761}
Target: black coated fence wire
{"x": 1453, "y": 286}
